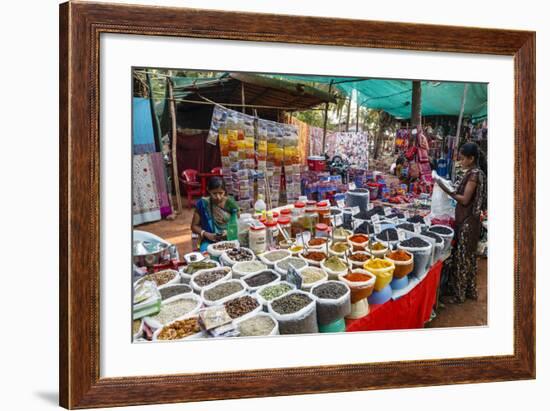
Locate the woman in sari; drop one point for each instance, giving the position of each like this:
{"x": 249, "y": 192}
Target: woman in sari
{"x": 470, "y": 198}
{"x": 212, "y": 213}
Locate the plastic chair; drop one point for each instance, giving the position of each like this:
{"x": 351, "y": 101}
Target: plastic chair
{"x": 217, "y": 171}
{"x": 192, "y": 185}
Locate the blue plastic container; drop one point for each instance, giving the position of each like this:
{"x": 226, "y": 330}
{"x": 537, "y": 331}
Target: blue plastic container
{"x": 382, "y": 296}
{"x": 399, "y": 283}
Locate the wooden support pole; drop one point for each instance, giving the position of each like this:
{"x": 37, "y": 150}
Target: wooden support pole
{"x": 175, "y": 173}
{"x": 357, "y": 114}
{"x": 325, "y": 121}
{"x": 242, "y": 98}
{"x": 416, "y": 104}
{"x": 349, "y": 112}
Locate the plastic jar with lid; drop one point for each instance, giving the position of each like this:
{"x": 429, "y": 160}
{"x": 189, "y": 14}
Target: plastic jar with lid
{"x": 257, "y": 238}
{"x": 286, "y": 212}
{"x": 284, "y": 224}
{"x": 243, "y": 225}
{"x": 310, "y": 219}
{"x": 322, "y": 230}
{"x": 296, "y": 220}
{"x": 272, "y": 231}
{"x": 323, "y": 210}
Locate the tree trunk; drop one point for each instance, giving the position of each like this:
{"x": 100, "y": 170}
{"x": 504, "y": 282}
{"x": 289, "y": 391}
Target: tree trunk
{"x": 416, "y": 106}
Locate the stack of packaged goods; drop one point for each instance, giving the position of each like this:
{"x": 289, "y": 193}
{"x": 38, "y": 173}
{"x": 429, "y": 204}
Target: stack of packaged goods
{"x": 292, "y": 164}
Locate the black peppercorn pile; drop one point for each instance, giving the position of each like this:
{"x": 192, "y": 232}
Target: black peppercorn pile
{"x": 415, "y": 242}
{"x": 331, "y": 291}
{"x": 291, "y": 303}
{"x": 406, "y": 226}
{"x": 441, "y": 230}
{"x": 365, "y": 228}
{"x": 438, "y": 239}
{"x": 416, "y": 219}
{"x": 389, "y": 234}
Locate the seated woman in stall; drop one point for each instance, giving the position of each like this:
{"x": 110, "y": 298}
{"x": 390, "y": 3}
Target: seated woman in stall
{"x": 212, "y": 213}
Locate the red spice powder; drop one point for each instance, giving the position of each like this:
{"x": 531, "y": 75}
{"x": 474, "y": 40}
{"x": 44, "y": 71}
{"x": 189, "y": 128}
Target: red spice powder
{"x": 359, "y": 238}
{"x": 399, "y": 255}
{"x": 357, "y": 277}
{"x": 315, "y": 256}
{"x": 317, "y": 241}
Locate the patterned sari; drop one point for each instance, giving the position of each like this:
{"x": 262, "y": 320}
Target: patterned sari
{"x": 214, "y": 218}
{"x": 462, "y": 267}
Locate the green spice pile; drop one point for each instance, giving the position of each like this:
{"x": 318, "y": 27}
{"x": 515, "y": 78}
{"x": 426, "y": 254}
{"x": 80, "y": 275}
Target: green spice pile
{"x": 202, "y": 265}
{"x": 258, "y": 325}
{"x": 312, "y": 274}
{"x": 335, "y": 264}
{"x": 290, "y": 303}
{"x": 240, "y": 306}
{"x": 222, "y": 290}
{"x": 209, "y": 277}
{"x": 296, "y": 262}
{"x": 249, "y": 266}
{"x": 274, "y": 291}
{"x": 275, "y": 255}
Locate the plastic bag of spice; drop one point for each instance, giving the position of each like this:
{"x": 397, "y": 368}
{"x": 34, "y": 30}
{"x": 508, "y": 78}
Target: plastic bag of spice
{"x": 256, "y": 280}
{"x": 295, "y": 312}
{"x": 204, "y": 278}
{"x": 422, "y": 252}
{"x": 403, "y": 261}
{"x": 333, "y": 300}
{"x": 224, "y": 291}
{"x": 260, "y": 324}
{"x": 269, "y": 292}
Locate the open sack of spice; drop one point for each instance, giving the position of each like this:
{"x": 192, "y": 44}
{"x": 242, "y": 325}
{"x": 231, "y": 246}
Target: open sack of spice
{"x": 295, "y": 312}
{"x": 333, "y": 300}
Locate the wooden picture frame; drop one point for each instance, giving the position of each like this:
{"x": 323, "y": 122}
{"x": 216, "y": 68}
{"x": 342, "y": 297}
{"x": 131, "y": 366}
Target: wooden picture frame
{"x": 80, "y": 27}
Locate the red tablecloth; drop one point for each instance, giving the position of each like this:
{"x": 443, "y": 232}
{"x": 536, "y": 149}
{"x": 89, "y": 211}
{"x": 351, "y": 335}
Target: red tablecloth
{"x": 412, "y": 310}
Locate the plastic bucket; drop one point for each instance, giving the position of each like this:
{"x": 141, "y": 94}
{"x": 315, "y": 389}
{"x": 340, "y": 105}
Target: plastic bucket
{"x": 399, "y": 283}
{"x": 338, "y": 326}
{"x": 382, "y": 296}
{"x": 447, "y": 238}
{"x": 402, "y": 268}
{"x": 422, "y": 258}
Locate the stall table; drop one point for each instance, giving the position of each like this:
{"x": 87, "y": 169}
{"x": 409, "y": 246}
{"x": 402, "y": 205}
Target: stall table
{"x": 412, "y": 310}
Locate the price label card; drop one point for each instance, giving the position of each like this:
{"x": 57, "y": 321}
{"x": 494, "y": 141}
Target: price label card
{"x": 370, "y": 206}
{"x": 375, "y": 218}
{"x": 338, "y": 220}
{"x": 377, "y": 228}
{"x": 387, "y": 210}
{"x": 401, "y": 234}
{"x": 293, "y": 277}
{"x": 341, "y": 203}
{"x": 352, "y": 186}
{"x": 427, "y": 220}
{"x": 407, "y": 214}
{"x": 355, "y": 210}
{"x": 417, "y": 228}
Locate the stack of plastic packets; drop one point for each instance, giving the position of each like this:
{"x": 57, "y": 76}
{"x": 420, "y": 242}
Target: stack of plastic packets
{"x": 291, "y": 163}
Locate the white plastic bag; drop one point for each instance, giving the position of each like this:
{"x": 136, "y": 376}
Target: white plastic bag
{"x": 442, "y": 204}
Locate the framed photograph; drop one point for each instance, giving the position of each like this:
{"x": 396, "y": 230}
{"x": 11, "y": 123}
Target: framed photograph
{"x": 256, "y": 205}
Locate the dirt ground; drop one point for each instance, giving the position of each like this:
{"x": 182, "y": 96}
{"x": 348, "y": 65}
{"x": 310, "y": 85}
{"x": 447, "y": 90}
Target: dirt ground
{"x": 470, "y": 313}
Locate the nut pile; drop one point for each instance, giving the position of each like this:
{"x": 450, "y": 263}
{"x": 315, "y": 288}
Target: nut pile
{"x": 161, "y": 277}
{"x": 179, "y": 329}
{"x": 240, "y": 254}
{"x": 240, "y": 306}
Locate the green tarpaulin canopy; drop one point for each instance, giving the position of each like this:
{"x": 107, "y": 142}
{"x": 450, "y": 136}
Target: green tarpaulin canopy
{"x": 394, "y": 96}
